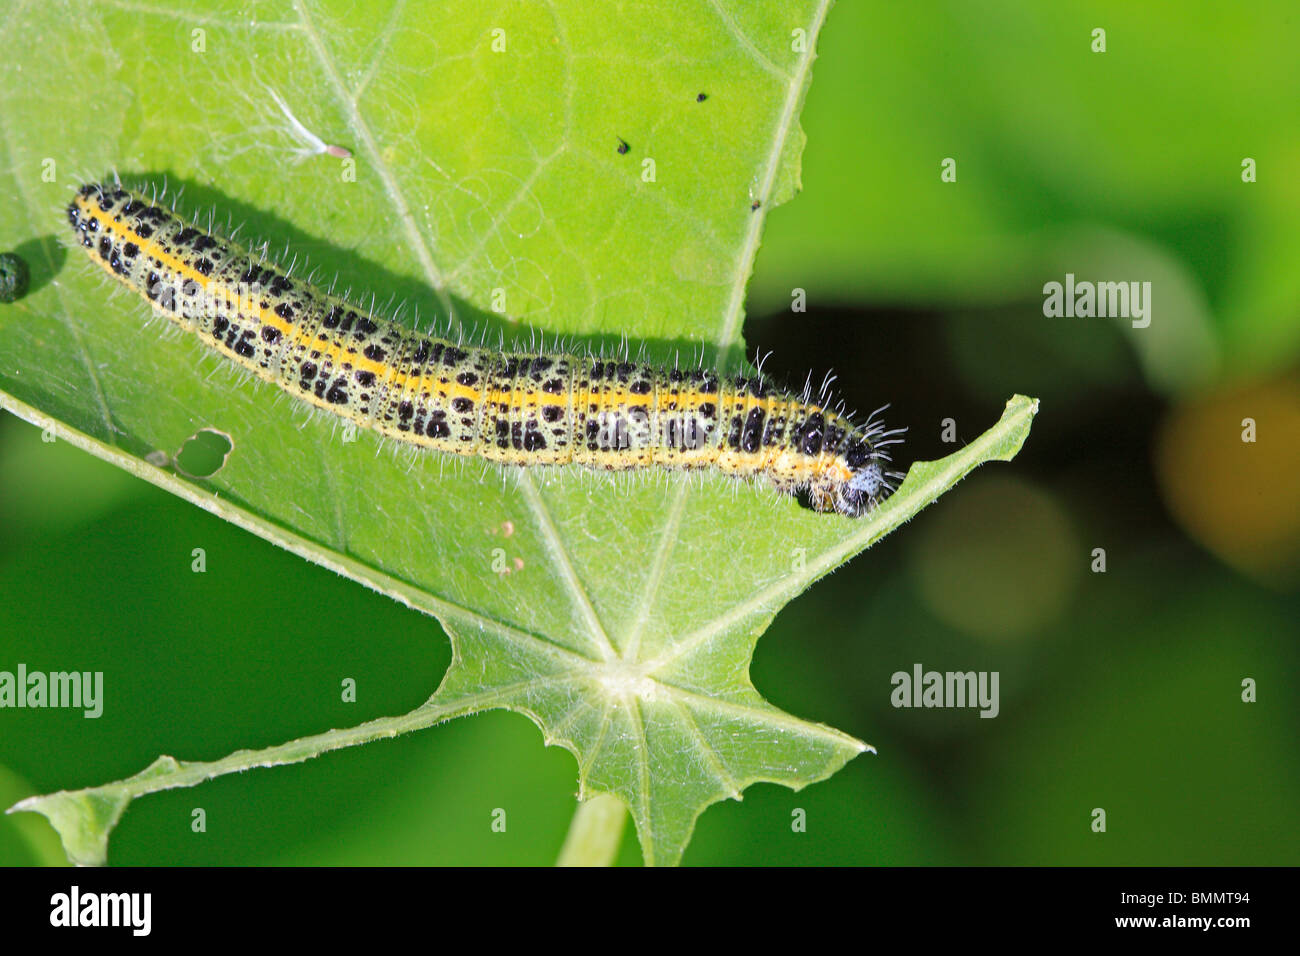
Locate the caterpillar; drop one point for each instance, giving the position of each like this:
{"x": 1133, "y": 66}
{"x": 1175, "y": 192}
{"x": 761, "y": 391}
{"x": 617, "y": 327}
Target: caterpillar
{"x": 516, "y": 407}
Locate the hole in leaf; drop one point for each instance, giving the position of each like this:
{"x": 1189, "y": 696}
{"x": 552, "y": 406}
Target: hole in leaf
{"x": 204, "y": 453}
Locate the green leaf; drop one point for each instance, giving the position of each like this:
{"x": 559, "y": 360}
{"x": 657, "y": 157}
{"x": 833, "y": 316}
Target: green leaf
{"x": 83, "y": 819}
{"x": 619, "y": 614}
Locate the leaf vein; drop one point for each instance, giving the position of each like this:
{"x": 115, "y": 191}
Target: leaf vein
{"x": 560, "y": 556}
{"x": 366, "y": 137}
{"x": 735, "y": 309}
{"x": 741, "y": 37}
{"x": 720, "y": 772}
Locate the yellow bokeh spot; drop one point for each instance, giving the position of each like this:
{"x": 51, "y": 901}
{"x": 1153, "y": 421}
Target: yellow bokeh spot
{"x": 1238, "y": 498}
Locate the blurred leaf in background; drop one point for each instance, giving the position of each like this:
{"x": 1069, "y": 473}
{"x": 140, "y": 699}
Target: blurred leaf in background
{"x": 1051, "y": 140}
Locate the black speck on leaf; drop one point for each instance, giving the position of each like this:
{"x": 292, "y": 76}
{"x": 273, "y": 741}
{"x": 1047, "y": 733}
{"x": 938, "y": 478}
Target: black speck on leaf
{"x": 702, "y": 97}
{"x": 623, "y": 147}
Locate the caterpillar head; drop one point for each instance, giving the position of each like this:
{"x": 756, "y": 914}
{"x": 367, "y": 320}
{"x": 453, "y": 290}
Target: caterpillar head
{"x": 863, "y": 491}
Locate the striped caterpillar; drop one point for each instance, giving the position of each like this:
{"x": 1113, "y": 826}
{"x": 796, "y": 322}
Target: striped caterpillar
{"x": 515, "y": 407}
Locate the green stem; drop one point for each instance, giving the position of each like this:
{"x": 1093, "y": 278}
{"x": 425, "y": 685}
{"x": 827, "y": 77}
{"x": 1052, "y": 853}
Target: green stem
{"x": 595, "y": 833}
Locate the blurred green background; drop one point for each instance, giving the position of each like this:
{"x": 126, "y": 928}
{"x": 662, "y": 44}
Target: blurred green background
{"x": 1120, "y": 690}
